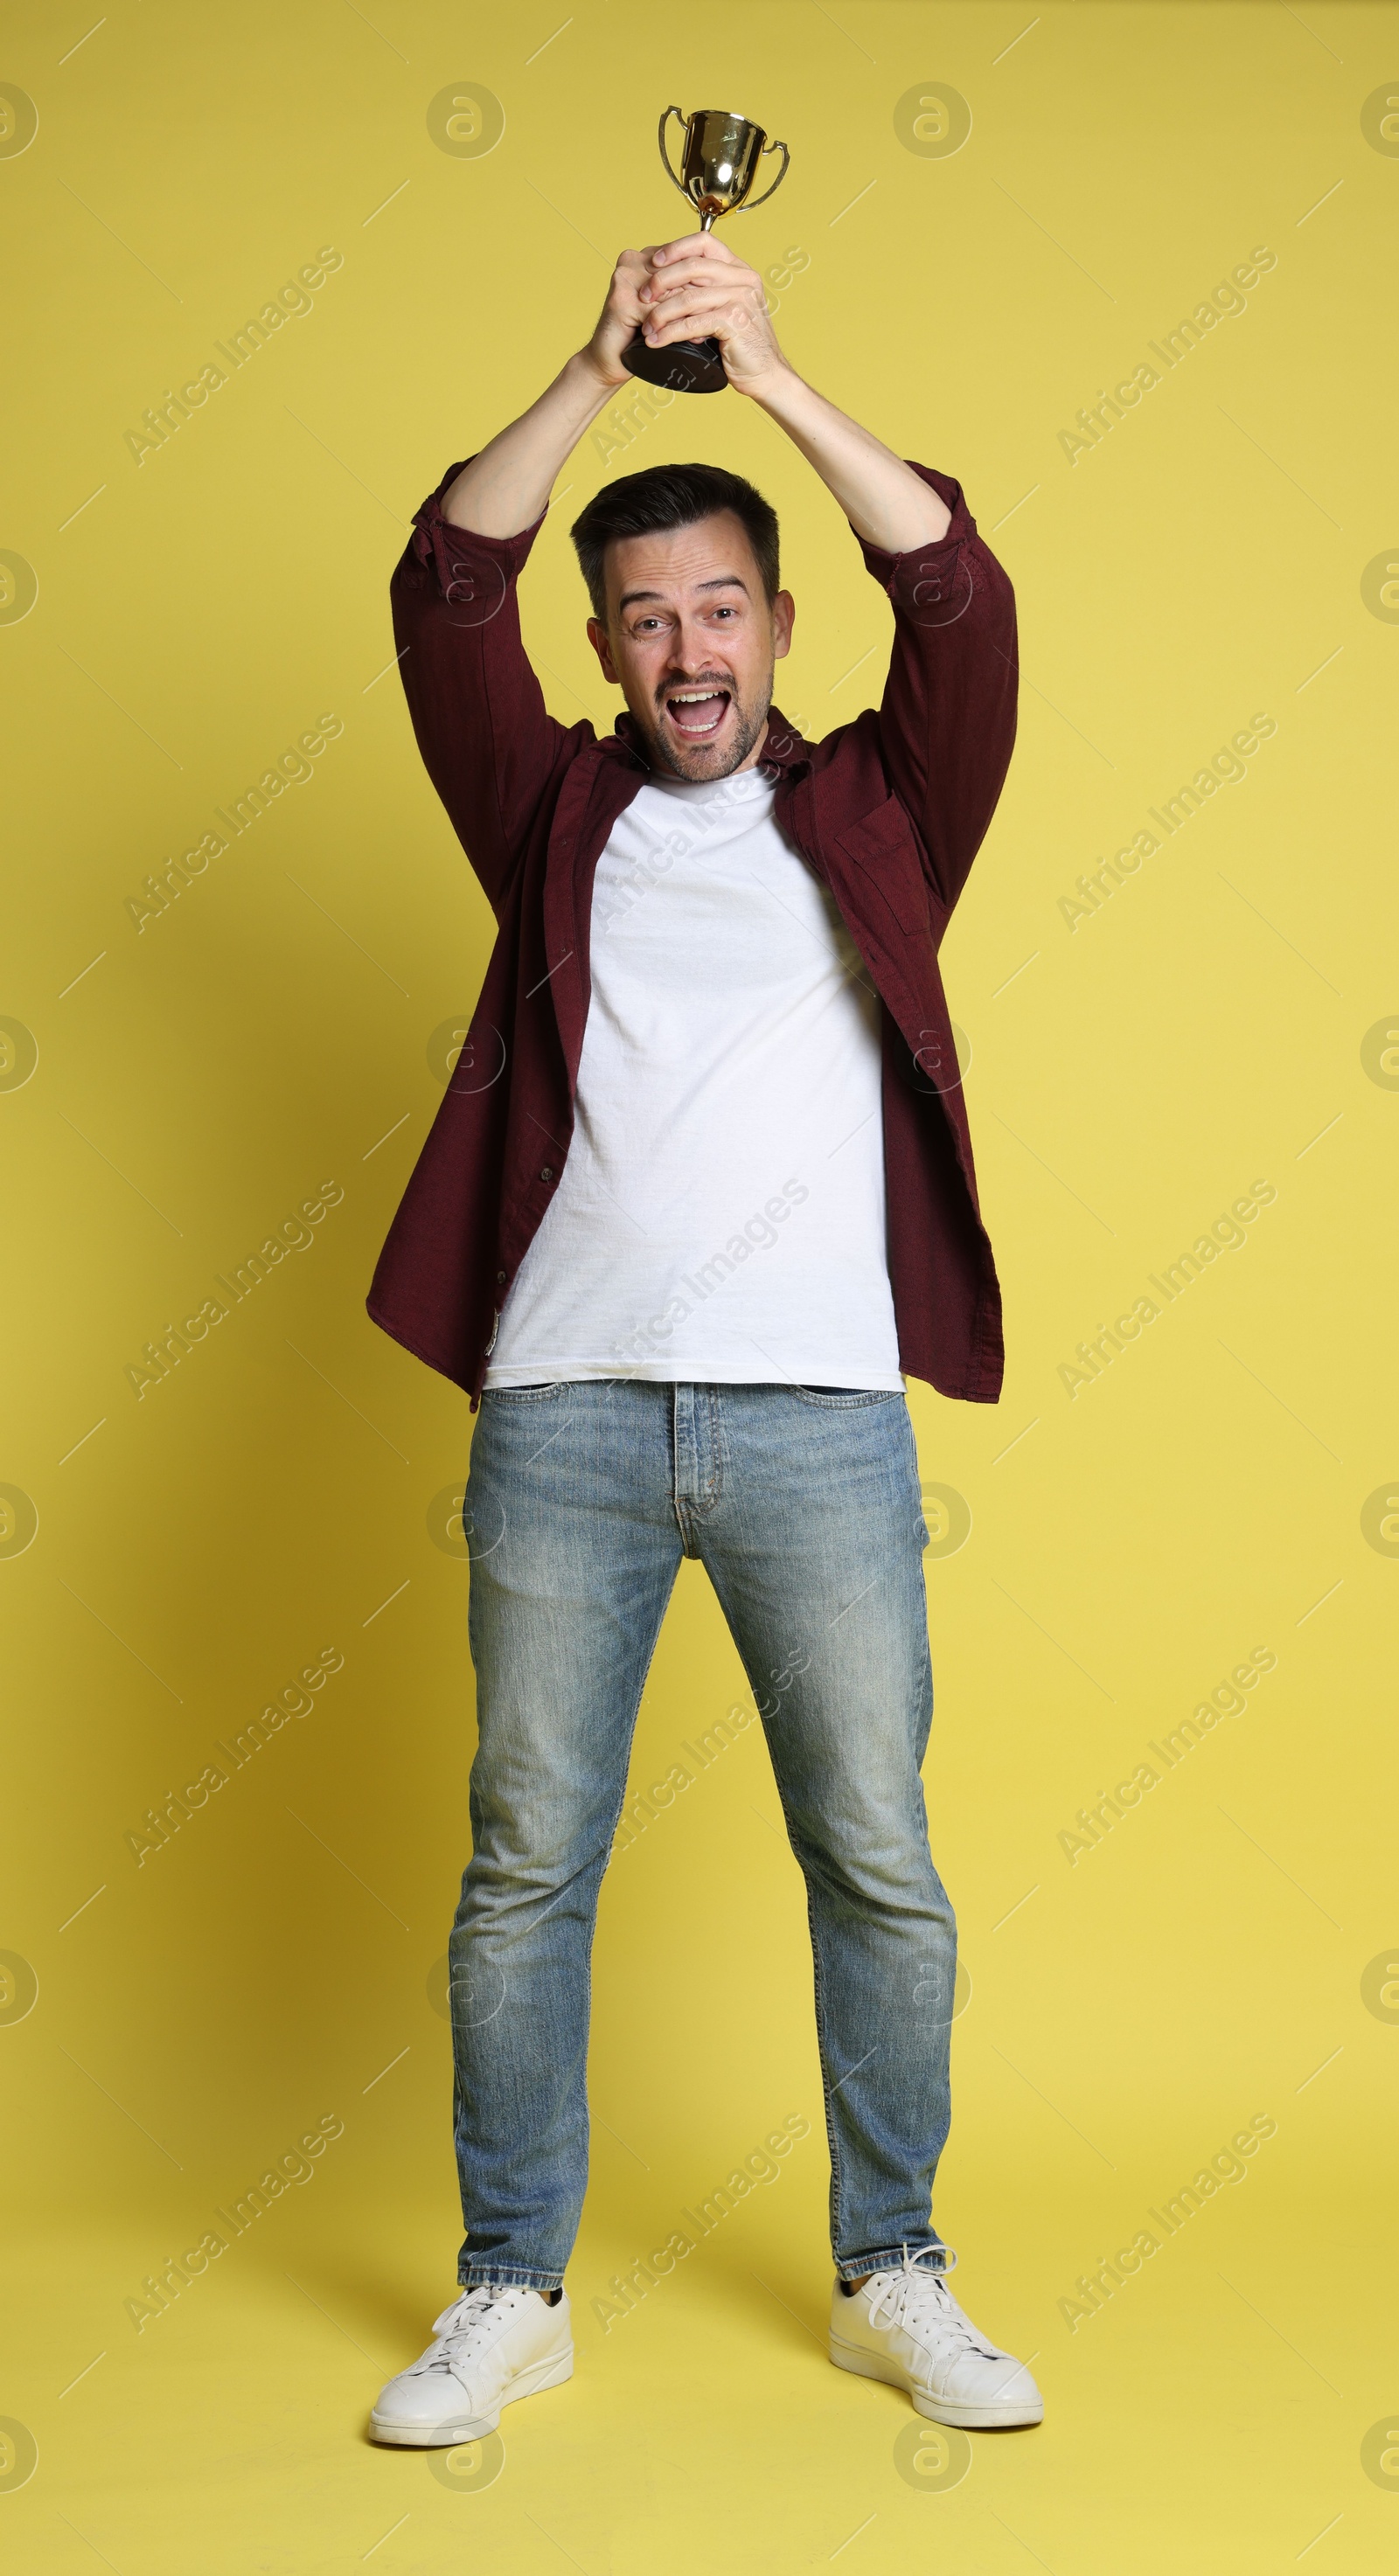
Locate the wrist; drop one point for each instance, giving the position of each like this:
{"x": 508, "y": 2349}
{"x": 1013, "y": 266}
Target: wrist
{"x": 778, "y": 390}
{"x": 594, "y": 375}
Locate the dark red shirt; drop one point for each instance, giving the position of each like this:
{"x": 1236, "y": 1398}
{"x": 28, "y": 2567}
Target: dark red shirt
{"x": 888, "y": 812}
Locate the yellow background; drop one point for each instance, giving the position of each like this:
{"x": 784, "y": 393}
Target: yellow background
{"x": 1128, "y": 2013}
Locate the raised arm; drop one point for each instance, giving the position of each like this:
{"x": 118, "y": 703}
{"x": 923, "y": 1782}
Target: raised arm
{"x": 488, "y": 742}
{"x": 696, "y": 287}
{"x": 947, "y": 720}
{"x": 506, "y": 488}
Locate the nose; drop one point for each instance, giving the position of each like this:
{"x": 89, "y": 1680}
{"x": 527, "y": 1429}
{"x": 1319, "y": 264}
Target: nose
{"x": 694, "y": 651}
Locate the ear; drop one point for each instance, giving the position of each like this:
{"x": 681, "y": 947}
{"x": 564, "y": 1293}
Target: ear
{"x": 784, "y": 609}
{"x": 597, "y": 637}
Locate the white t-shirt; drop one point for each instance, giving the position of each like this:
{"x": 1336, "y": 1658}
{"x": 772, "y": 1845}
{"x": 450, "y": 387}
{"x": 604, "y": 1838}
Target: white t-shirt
{"x": 720, "y": 1215}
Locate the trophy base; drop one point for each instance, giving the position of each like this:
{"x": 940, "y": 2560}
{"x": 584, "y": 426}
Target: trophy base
{"x": 687, "y": 366}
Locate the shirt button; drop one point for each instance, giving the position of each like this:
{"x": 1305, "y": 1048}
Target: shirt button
{"x": 500, "y": 1279}
{"x": 548, "y": 1172}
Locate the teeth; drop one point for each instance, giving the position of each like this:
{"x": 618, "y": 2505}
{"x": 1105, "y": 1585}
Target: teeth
{"x": 693, "y": 697}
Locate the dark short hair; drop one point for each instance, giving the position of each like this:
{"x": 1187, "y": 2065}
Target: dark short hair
{"x": 671, "y": 496}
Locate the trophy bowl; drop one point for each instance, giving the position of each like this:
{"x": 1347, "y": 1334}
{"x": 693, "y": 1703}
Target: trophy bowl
{"x": 719, "y": 164}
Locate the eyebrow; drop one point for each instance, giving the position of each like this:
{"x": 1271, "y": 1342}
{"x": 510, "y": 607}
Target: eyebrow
{"x": 723, "y": 581}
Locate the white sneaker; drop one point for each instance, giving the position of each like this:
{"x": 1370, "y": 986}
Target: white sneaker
{"x": 905, "y": 2327}
{"x": 493, "y": 2344}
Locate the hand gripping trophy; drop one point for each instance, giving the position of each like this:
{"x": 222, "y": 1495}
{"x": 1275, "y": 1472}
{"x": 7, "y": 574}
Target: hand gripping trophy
{"x": 717, "y": 170}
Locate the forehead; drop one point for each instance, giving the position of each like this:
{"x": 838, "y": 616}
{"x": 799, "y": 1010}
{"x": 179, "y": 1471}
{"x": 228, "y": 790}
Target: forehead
{"x": 678, "y": 561}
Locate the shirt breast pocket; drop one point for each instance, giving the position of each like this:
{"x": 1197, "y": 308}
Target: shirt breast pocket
{"x": 883, "y": 846}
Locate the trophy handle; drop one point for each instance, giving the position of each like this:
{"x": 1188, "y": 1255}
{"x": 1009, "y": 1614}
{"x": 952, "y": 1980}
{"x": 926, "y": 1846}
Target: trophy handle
{"x": 665, "y": 156}
{"x": 750, "y": 202}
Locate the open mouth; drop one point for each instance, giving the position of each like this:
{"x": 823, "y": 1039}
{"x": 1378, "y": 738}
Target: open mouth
{"x": 697, "y": 714}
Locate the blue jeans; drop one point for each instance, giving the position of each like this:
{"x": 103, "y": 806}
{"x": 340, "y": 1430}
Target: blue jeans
{"x": 803, "y": 1506}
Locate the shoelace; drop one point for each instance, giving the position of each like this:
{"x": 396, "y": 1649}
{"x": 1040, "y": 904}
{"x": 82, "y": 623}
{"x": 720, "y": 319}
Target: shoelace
{"x": 917, "y": 2295}
{"x": 471, "y": 2316}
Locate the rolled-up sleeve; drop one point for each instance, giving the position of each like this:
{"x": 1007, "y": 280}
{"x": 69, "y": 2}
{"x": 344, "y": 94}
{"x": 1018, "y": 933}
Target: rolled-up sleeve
{"x": 488, "y": 742}
{"x": 947, "y": 717}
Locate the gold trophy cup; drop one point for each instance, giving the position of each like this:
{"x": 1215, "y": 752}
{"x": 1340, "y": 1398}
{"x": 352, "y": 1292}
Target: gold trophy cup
{"x": 717, "y": 170}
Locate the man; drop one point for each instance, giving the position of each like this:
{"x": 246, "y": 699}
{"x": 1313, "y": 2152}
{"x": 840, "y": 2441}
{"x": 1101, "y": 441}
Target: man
{"x": 700, "y": 1191}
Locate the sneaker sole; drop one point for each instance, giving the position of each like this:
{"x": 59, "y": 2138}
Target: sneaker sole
{"x": 970, "y": 2419}
{"x": 549, "y": 2373}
